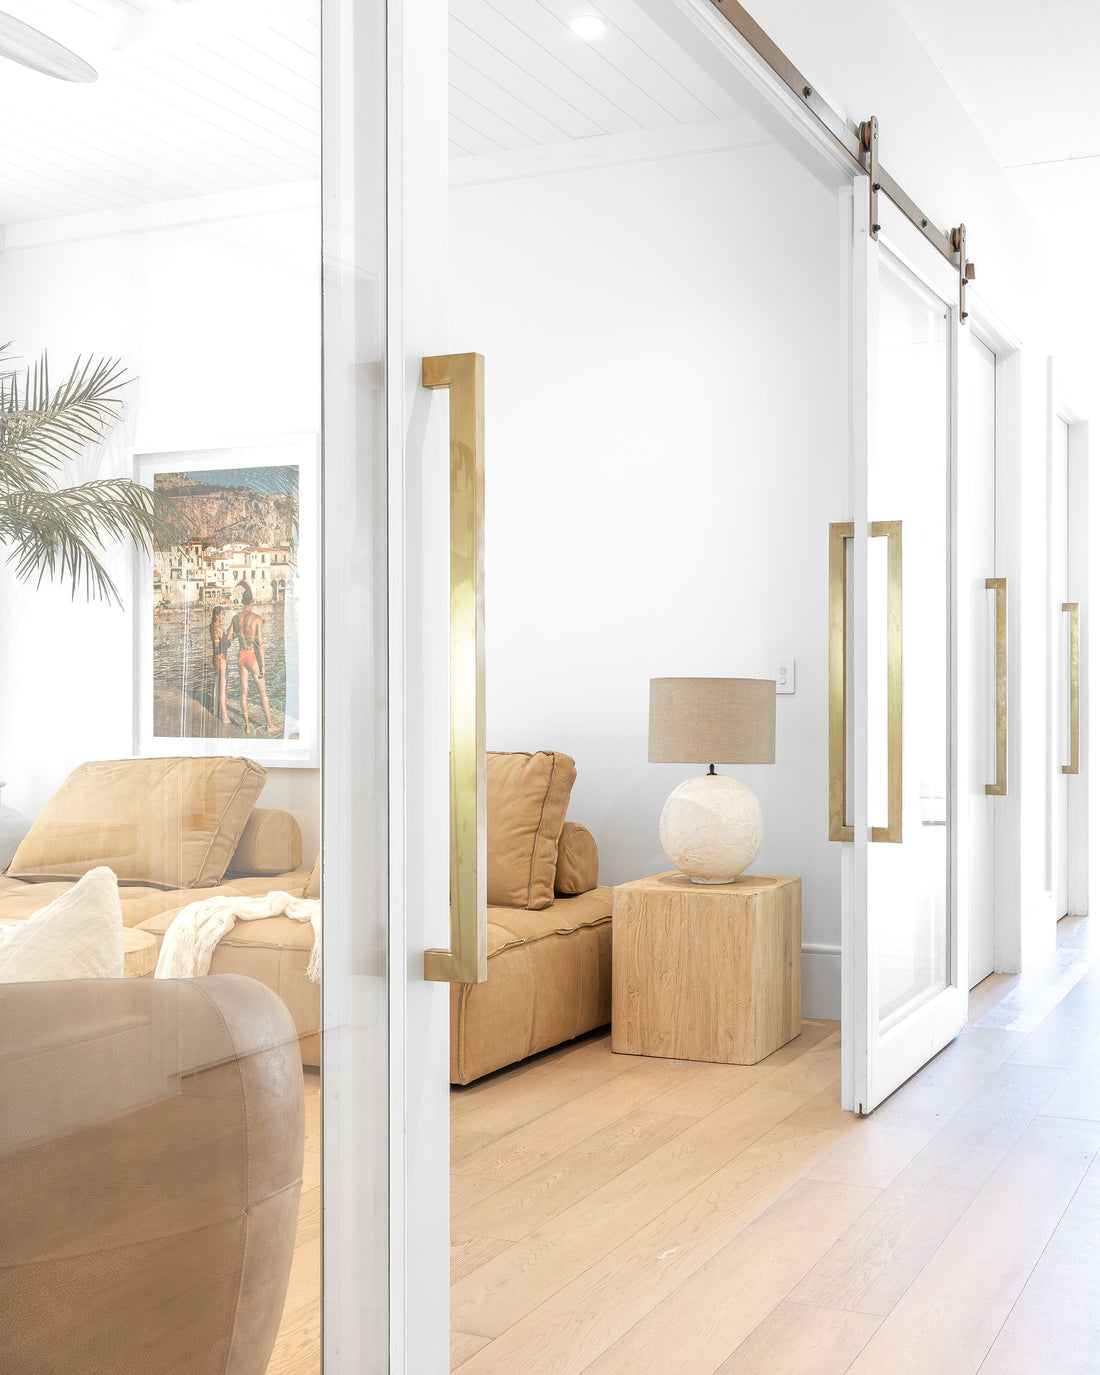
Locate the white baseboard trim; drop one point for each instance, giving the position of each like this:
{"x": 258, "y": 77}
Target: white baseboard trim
{"x": 821, "y": 981}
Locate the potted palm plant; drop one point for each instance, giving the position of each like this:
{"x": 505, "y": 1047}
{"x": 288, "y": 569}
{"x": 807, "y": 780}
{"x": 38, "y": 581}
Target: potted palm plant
{"x": 53, "y": 531}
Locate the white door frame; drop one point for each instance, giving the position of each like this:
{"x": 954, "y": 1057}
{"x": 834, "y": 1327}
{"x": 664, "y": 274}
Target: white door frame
{"x": 1080, "y": 571}
{"x": 987, "y": 326}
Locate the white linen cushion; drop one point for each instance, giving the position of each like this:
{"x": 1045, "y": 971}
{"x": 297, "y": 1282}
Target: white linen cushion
{"x": 77, "y": 936}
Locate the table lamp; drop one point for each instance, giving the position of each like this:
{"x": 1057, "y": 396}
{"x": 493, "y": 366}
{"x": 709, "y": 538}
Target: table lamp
{"x": 712, "y": 827}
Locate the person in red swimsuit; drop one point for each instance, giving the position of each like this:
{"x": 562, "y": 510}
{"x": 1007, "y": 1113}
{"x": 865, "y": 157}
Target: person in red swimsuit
{"x": 219, "y": 645}
{"x": 248, "y": 627}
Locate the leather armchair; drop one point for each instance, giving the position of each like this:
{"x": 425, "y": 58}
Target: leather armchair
{"x": 150, "y": 1168}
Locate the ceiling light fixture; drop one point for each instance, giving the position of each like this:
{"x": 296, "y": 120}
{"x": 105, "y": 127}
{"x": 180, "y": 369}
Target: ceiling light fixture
{"x": 588, "y": 26}
{"x": 20, "y": 43}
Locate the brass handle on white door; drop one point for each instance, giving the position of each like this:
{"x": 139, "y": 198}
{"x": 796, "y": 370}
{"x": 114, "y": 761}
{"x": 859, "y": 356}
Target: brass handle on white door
{"x": 1000, "y": 586}
{"x": 839, "y": 829}
{"x": 838, "y": 679}
{"x": 891, "y": 531}
{"x": 463, "y": 374}
{"x": 1074, "y": 765}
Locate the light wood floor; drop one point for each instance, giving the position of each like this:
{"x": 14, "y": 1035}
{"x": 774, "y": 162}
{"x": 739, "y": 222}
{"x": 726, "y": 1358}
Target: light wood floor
{"x": 298, "y": 1345}
{"x": 637, "y": 1216}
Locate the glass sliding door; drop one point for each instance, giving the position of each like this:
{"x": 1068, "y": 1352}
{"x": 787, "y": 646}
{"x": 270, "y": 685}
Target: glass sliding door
{"x": 908, "y": 474}
{"x": 905, "y": 967}
{"x": 193, "y": 590}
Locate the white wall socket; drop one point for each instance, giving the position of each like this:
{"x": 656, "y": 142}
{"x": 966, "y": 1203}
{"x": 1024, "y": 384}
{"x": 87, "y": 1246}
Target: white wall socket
{"x": 784, "y": 673}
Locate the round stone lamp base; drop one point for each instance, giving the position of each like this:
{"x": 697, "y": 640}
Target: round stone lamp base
{"x": 712, "y": 828}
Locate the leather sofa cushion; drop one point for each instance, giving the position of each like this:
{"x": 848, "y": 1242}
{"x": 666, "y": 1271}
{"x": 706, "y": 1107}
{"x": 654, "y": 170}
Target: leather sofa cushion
{"x": 526, "y": 799}
{"x": 165, "y": 823}
{"x": 139, "y": 901}
{"x": 549, "y": 981}
{"x": 271, "y": 843}
{"x": 578, "y": 868}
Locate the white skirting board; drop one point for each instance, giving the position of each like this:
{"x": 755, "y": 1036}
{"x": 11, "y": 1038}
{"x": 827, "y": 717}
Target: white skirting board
{"x": 821, "y": 982}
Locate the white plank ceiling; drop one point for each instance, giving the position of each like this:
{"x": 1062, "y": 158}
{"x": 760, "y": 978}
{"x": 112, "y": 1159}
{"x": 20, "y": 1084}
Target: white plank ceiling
{"x": 192, "y": 98}
{"x": 520, "y": 77}
{"x": 200, "y": 96}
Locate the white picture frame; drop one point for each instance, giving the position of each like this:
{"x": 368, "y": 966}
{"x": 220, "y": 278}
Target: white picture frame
{"x": 247, "y": 536}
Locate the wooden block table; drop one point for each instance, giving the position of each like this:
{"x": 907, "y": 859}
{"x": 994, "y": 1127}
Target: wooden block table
{"x": 706, "y": 971}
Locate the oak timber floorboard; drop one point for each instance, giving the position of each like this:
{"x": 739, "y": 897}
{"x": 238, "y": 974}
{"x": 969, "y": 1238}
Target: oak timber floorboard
{"x": 297, "y": 1348}
{"x": 1055, "y": 1323}
{"x": 796, "y": 1339}
{"x": 762, "y": 1230}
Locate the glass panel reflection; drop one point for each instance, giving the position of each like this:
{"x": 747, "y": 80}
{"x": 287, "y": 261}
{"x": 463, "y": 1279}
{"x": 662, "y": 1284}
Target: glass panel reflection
{"x": 160, "y": 412}
{"x": 910, "y": 483}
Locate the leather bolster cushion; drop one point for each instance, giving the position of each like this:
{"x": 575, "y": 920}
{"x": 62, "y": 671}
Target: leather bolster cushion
{"x": 271, "y": 843}
{"x": 578, "y": 868}
{"x": 165, "y": 823}
{"x": 549, "y": 981}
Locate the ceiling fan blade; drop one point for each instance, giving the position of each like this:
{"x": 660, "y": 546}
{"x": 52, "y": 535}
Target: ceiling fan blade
{"x": 20, "y": 43}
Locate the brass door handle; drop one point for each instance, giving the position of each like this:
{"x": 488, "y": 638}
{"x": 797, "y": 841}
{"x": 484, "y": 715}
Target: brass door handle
{"x": 463, "y": 374}
{"x": 1074, "y": 765}
{"x": 838, "y": 680}
{"x": 1000, "y": 586}
{"x": 891, "y": 531}
{"x": 838, "y": 673}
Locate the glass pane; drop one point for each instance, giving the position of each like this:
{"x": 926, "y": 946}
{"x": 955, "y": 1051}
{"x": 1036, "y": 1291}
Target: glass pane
{"x": 909, "y": 482}
{"x": 160, "y": 686}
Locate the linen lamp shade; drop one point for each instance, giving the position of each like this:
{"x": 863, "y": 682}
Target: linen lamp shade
{"x": 712, "y": 827}
{"x": 711, "y": 721}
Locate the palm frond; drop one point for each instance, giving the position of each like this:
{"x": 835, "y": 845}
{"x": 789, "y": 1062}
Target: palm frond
{"x": 41, "y": 428}
{"x": 60, "y": 534}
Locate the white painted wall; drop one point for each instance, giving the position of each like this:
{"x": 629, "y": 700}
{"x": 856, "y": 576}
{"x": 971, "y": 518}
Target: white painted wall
{"x": 214, "y": 306}
{"x": 666, "y": 446}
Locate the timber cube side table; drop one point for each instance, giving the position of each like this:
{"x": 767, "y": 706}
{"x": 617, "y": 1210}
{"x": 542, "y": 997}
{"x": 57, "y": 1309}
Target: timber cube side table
{"x": 706, "y": 971}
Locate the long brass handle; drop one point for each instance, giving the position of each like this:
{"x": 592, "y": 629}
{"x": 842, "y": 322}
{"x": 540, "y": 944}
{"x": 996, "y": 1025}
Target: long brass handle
{"x": 1000, "y": 586}
{"x": 838, "y": 678}
{"x": 891, "y": 531}
{"x": 1074, "y": 765}
{"x": 464, "y": 375}
{"x": 838, "y": 674}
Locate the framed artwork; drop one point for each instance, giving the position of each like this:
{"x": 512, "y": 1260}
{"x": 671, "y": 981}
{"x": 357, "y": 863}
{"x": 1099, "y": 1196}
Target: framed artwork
{"x": 227, "y": 607}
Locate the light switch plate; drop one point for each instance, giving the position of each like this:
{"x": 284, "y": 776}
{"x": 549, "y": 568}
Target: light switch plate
{"x": 784, "y": 673}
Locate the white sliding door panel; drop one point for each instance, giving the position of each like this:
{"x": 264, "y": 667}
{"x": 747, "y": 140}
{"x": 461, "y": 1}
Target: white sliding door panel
{"x": 906, "y": 970}
{"x": 981, "y": 364}
{"x": 1060, "y": 678}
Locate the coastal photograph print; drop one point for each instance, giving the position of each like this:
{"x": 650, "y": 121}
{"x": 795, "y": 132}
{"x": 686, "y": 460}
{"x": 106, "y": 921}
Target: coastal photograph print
{"x": 227, "y": 604}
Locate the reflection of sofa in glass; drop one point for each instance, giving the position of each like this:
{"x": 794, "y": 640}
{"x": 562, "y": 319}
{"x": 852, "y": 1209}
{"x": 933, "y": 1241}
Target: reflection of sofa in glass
{"x": 175, "y": 831}
{"x": 150, "y": 1171}
{"x": 549, "y": 923}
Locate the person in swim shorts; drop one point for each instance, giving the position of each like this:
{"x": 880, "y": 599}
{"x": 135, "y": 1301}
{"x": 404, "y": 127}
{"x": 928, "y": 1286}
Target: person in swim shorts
{"x": 248, "y": 627}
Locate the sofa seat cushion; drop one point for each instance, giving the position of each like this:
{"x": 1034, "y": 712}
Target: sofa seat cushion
{"x": 139, "y": 902}
{"x": 510, "y": 926}
{"x": 549, "y": 981}
{"x": 167, "y": 823}
{"x": 274, "y": 950}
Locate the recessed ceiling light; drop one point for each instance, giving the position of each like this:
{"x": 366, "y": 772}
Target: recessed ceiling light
{"x": 587, "y": 26}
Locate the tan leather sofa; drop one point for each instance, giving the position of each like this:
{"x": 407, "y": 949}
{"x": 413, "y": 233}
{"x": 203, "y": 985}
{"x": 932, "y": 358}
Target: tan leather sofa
{"x": 150, "y": 1171}
{"x": 174, "y": 831}
{"x": 549, "y": 923}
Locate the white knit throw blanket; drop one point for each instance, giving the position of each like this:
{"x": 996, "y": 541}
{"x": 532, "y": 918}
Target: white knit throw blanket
{"x": 189, "y": 942}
